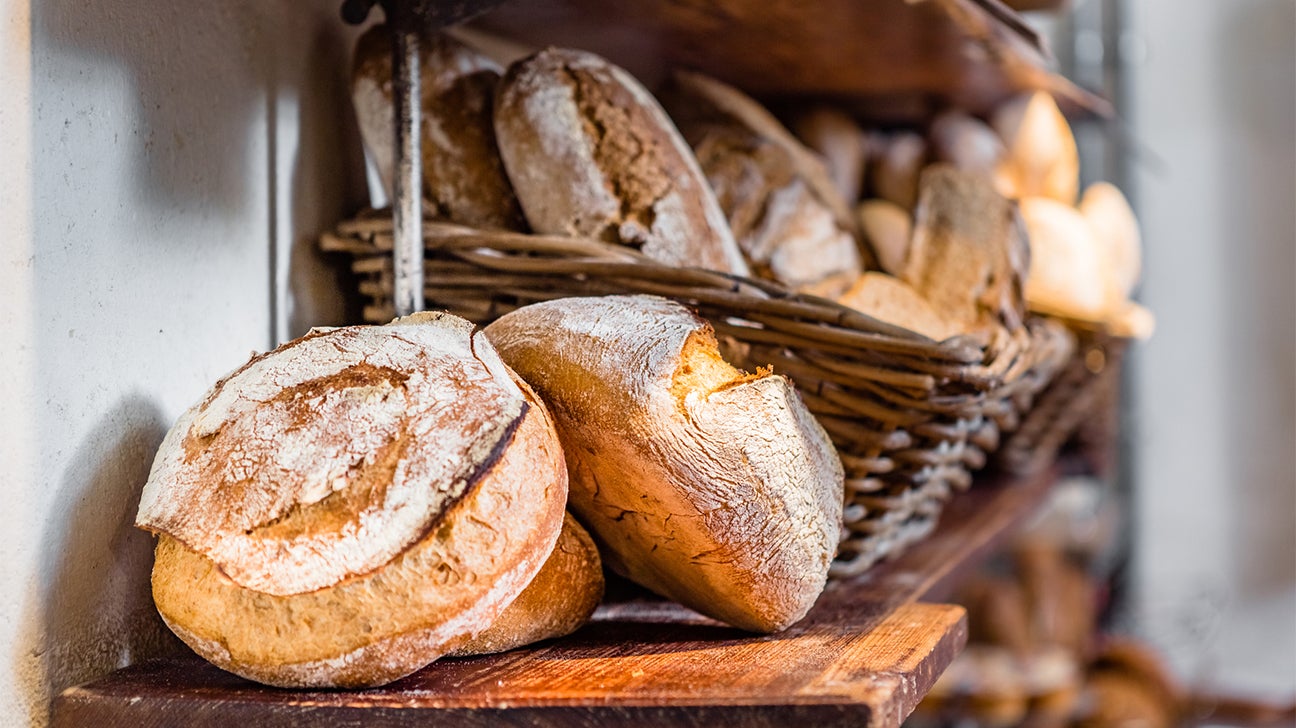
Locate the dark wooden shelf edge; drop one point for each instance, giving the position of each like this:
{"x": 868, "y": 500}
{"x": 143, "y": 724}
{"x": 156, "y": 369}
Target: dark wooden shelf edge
{"x": 865, "y": 656}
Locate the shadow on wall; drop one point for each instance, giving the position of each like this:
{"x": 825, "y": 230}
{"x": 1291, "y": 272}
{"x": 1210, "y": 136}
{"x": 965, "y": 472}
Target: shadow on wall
{"x": 328, "y": 176}
{"x": 1258, "y": 129}
{"x": 95, "y": 611}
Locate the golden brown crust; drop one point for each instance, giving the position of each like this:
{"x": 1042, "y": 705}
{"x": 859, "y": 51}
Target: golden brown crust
{"x": 726, "y": 497}
{"x": 313, "y": 464}
{"x": 556, "y": 603}
{"x": 592, "y": 154}
{"x": 463, "y": 175}
{"x": 375, "y": 628}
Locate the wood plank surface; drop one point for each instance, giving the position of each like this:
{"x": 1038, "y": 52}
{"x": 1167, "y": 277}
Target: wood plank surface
{"x": 865, "y": 656}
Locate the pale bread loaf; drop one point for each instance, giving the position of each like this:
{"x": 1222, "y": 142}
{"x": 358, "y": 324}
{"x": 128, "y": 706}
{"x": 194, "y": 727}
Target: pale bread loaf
{"x": 1069, "y": 275}
{"x": 888, "y": 229}
{"x": 892, "y": 300}
{"x": 1041, "y": 157}
{"x": 712, "y": 487}
{"x": 1116, "y": 230}
{"x": 557, "y": 602}
{"x": 463, "y": 176}
{"x": 790, "y": 221}
{"x": 840, "y": 143}
{"x": 497, "y": 498}
{"x": 896, "y": 166}
{"x": 591, "y": 154}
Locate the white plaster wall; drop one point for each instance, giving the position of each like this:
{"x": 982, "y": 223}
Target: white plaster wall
{"x": 163, "y": 170}
{"x": 1214, "y": 105}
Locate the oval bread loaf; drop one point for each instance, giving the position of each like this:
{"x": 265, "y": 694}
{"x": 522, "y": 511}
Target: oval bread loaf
{"x": 463, "y": 176}
{"x": 788, "y": 217}
{"x": 712, "y": 487}
{"x": 347, "y": 508}
{"x": 556, "y": 603}
{"x": 591, "y": 154}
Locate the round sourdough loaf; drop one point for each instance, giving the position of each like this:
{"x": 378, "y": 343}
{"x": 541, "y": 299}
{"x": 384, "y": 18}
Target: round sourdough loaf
{"x": 714, "y": 488}
{"x": 591, "y": 153}
{"x": 556, "y": 603}
{"x": 349, "y": 507}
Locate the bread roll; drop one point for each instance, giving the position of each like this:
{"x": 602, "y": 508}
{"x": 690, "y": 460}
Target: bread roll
{"x": 888, "y": 229}
{"x": 789, "y": 220}
{"x": 556, "y": 603}
{"x": 842, "y": 145}
{"x": 592, "y": 154}
{"x": 970, "y": 145}
{"x": 894, "y": 171}
{"x": 1068, "y": 273}
{"x": 892, "y": 300}
{"x": 968, "y": 253}
{"x": 712, "y": 487}
{"x": 463, "y": 176}
{"x": 1042, "y": 160}
{"x": 1116, "y": 230}
{"x": 345, "y": 509}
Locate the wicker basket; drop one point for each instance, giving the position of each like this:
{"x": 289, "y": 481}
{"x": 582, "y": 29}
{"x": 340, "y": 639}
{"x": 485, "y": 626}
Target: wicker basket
{"x": 1080, "y": 403}
{"x": 910, "y": 417}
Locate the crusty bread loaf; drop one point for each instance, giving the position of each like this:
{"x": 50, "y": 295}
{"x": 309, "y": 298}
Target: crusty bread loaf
{"x": 591, "y": 153}
{"x": 892, "y": 300}
{"x": 715, "y": 488}
{"x": 887, "y": 228}
{"x": 1041, "y": 156}
{"x": 556, "y": 603}
{"x": 789, "y": 219}
{"x": 968, "y": 254}
{"x": 463, "y": 176}
{"x": 840, "y": 142}
{"x": 345, "y": 509}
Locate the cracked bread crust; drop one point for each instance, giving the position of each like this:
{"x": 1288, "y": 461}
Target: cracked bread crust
{"x": 712, "y": 487}
{"x": 369, "y": 630}
{"x": 590, "y": 153}
{"x": 327, "y": 457}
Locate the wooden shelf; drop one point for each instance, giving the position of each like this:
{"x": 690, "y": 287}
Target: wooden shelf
{"x": 892, "y": 61}
{"x": 864, "y": 656}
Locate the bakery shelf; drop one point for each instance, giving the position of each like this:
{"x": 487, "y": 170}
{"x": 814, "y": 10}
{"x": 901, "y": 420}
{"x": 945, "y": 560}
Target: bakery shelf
{"x": 890, "y": 60}
{"x": 864, "y": 656}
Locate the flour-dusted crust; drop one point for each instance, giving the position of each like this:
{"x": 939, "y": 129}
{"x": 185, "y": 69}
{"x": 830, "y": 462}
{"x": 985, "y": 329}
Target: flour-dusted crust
{"x": 712, "y": 487}
{"x": 788, "y": 217}
{"x": 591, "y": 153}
{"x": 324, "y": 459}
{"x": 557, "y": 602}
{"x": 368, "y": 630}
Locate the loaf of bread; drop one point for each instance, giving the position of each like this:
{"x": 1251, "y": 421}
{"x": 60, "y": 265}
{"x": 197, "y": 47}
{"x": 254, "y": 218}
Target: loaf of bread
{"x": 840, "y": 143}
{"x": 556, "y": 603}
{"x": 712, "y": 487}
{"x": 969, "y": 252}
{"x": 347, "y": 508}
{"x": 591, "y": 153}
{"x": 789, "y": 219}
{"x": 887, "y": 228}
{"x": 895, "y": 166}
{"x": 890, "y": 299}
{"x": 463, "y": 176}
{"x": 1041, "y": 159}
{"x": 1069, "y": 275}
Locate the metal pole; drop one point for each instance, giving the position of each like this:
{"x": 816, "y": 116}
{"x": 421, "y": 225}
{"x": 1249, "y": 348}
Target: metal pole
{"x": 407, "y": 185}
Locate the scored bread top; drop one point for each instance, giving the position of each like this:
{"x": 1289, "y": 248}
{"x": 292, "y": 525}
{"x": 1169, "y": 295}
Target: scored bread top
{"x": 591, "y": 153}
{"x": 327, "y": 457}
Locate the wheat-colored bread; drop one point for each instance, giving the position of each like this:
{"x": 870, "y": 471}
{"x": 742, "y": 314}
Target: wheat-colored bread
{"x": 791, "y": 223}
{"x": 840, "y": 143}
{"x": 888, "y": 229}
{"x": 895, "y": 167}
{"x": 970, "y": 145}
{"x": 1116, "y": 230}
{"x": 1041, "y": 157}
{"x": 969, "y": 253}
{"x": 463, "y": 176}
{"x": 1069, "y": 274}
{"x": 712, "y": 487}
{"x": 347, "y": 508}
{"x": 892, "y": 300}
{"x": 556, "y": 603}
{"x": 591, "y": 153}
